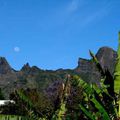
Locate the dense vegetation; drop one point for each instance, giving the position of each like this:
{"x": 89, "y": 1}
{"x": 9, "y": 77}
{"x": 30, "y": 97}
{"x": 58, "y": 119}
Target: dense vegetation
{"x": 76, "y": 99}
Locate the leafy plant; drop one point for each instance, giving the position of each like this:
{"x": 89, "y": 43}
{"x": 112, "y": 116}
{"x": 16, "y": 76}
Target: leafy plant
{"x": 92, "y": 102}
{"x": 117, "y": 78}
{"x": 106, "y": 88}
{"x": 61, "y": 112}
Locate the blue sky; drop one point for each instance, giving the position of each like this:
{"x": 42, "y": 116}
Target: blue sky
{"x": 53, "y": 34}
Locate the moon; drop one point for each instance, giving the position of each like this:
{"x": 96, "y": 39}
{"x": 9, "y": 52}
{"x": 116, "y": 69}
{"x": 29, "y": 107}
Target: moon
{"x": 16, "y": 49}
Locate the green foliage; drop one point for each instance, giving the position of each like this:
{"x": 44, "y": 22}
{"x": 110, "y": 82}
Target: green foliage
{"x": 117, "y": 71}
{"x": 12, "y": 117}
{"x": 90, "y": 97}
{"x": 117, "y": 77}
{"x": 91, "y": 104}
{"x": 87, "y": 113}
{"x": 60, "y": 113}
{"x": 106, "y": 88}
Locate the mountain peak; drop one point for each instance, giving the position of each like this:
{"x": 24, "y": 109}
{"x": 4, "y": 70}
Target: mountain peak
{"x": 26, "y": 67}
{"x": 105, "y": 51}
{"x": 3, "y": 60}
{"x": 4, "y": 66}
{"x": 107, "y": 57}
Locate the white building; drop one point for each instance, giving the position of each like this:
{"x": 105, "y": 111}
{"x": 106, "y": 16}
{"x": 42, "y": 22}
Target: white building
{"x": 3, "y": 102}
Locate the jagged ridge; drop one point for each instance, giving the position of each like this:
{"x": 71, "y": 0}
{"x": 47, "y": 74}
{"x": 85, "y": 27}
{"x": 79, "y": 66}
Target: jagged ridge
{"x": 33, "y": 77}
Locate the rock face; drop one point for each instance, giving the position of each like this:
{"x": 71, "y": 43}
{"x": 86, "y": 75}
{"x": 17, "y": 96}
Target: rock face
{"x": 107, "y": 58}
{"x": 87, "y": 69}
{"x": 4, "y": 66}
{"x": 33, "y": 77}
{"x": 7, "y": 76}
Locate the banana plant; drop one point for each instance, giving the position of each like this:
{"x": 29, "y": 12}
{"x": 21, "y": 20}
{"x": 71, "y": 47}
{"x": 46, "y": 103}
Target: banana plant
{"x": 90, "y": 101}
{"x": 61, "y": 112}
{"x": 117, "y": 77}
{"x": 108, "y": 80}
{"x": 106, "y": 88}
{"x": 90, "y": 92}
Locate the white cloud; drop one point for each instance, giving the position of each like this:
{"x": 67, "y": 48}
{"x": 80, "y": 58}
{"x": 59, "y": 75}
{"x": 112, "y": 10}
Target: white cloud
{"x": 73, "y": 6}
{"x": 97, "y": 15}
{"x": 16, "y": 49}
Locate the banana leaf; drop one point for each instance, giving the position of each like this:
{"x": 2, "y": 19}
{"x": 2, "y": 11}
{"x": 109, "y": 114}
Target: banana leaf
{"x": 117, "y": 77}
{"x": 87, "y": 113}
{"x": 90, "y": 92}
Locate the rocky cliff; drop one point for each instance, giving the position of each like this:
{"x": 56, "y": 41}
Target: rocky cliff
{"x": 87, "y": 69}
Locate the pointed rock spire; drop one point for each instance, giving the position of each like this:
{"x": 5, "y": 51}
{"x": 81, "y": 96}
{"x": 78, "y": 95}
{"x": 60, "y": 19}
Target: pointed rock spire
{"x": 26, "y": 67}
{"x": 4, "y": 66}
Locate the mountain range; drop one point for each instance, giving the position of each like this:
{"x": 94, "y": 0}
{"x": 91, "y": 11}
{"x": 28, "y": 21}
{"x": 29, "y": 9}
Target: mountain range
{"x": 47, "y": 80}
